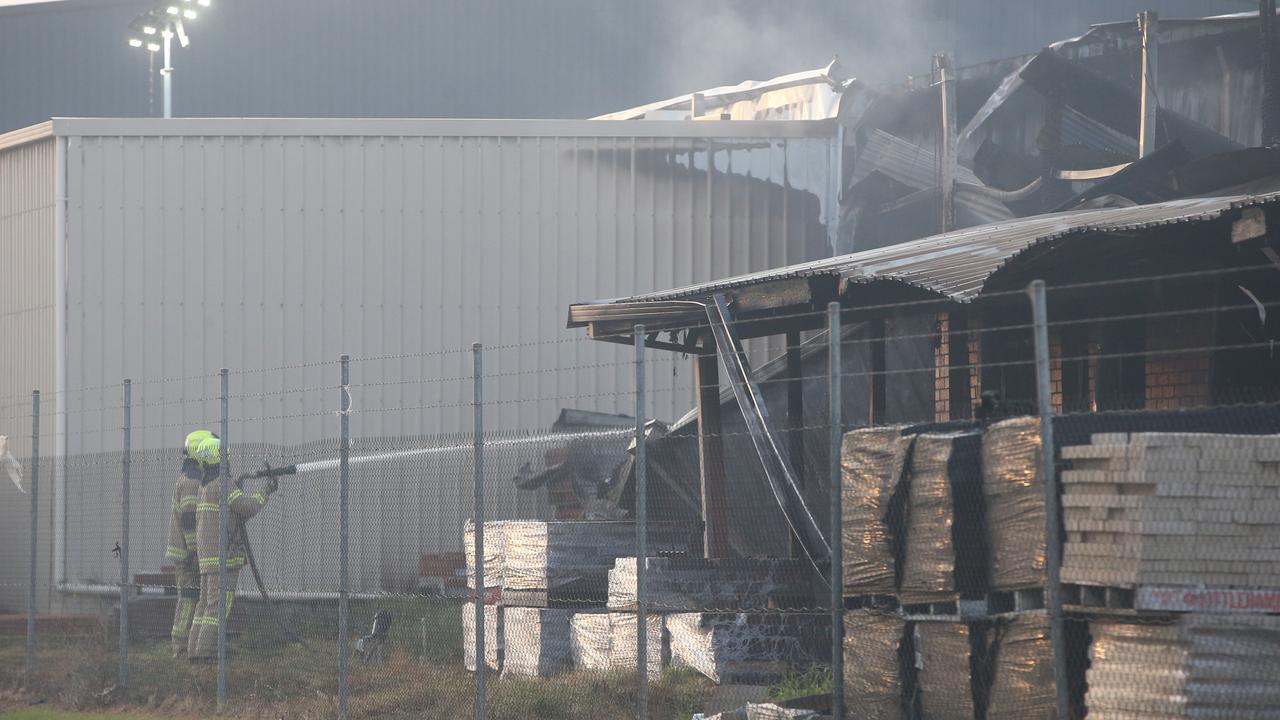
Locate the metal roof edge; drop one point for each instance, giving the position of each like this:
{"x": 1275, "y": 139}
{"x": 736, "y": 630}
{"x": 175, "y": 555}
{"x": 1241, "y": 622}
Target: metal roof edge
{"x": 440, "y": 127}
{"x": 29, "y": 134}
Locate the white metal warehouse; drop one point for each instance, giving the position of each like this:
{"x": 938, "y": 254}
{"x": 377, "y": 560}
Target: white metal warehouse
{"x": 163, "y": 250}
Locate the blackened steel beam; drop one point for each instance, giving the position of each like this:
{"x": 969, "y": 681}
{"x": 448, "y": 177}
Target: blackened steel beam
{"x": 715, "y": 528}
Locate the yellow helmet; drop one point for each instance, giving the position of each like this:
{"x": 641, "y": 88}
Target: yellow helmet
{"x": 193, "y": 441}
{"x": 209, "y": 452}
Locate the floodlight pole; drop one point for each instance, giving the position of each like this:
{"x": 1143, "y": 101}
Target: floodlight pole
{"x": 167, "y": 71}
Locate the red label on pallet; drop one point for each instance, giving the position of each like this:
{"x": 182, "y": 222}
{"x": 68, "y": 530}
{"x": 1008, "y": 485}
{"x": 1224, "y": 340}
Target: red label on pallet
{"x": 1184, "y": 599}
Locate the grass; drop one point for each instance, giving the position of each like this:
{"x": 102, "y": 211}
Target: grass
{"x": 801, "y": 684}
{"x": 270, "y": 678}
{"x": 48, "y": 714}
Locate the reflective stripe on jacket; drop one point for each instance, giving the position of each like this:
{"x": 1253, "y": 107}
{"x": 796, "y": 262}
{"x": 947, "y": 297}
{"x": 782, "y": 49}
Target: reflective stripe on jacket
{"x": 242, "y": 508}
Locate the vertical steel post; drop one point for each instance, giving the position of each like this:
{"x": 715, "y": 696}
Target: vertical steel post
{"x": 35, "y": 532}
{"x": 123, "y": 673}
{"x": 1048, "y": 469}
{"x": 224, "y": 472}
{"x": 835, "y": 430}
{"x": 1149, "y": 29}
{"x": 477, "y": 351}
{"x": 344, "y": 453}
{"x": 642, "y": 533}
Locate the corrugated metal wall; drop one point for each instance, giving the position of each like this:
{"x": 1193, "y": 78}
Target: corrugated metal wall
{"x": 26, "y": 346}
{"x": 259, "y": 245}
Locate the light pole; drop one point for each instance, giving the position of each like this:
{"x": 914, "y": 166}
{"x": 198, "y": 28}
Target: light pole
{"x": 166, "y": 21}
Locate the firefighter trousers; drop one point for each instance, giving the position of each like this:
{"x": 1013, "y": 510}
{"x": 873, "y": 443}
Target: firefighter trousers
{"x": 187, "y": 580}
{"x": 203, "y": 644}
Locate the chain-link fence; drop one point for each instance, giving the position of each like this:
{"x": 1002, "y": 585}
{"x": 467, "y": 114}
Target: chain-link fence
{"x": 1045, "y": 503}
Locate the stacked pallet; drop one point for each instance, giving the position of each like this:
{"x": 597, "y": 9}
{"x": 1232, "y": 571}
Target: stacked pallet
{"x": 872, "y": 461}
{"x": 1173, "y": 508}
{"x": 1200, "y": 666}
{"x": 609, "y": 641}
{"x": 945, "y": 542}
{"x": 493, "y": 636}
{"x": 1013, "y": 490}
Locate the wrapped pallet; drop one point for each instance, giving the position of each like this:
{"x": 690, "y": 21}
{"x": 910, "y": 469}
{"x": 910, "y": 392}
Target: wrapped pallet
{"x": 1200, "y": 666}
{"x": 493, "y": 635}
{"x": 591, "y": 641}
{"x": 944, "y": 671}
{"x": 623, "y": 648}
{"x": 929, "y": 563}
{"x": 1013, "y": 490}
{"x": 871, "y": 462}
{"x": 570, "y": 560}
{"x": 493, "y": 553}
{"x": 1022, "y": 680}
{"x": 748, "y": 648}
{"x": 873, "y": 665}
{"x": 689, "y": 584}
{"x": 536, "y": 642}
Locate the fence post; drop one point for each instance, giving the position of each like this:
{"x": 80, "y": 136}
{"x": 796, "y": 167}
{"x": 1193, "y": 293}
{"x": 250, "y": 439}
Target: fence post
{"x": 224, "y": 480}
{"x": 122, "y": 678}
{"x": 477, "y": 352}
{"x": 1048, "y": 469}
{"x": 344, "y": 452}
{"x": 835, "y": 422}
{"x": 642, "y": 533}
{"x": 35, "y": 533}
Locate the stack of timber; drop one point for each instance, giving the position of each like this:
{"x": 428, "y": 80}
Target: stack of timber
{"x": 1198, "y": 666}
{"x": 1014, "y": 492}
{"x": 756, "y": 648}
{"x": 1173, "y": 508}
{"x": 493, "y": 636}
{"x": 536, "y": 641}
{"x": 689, "y": 584}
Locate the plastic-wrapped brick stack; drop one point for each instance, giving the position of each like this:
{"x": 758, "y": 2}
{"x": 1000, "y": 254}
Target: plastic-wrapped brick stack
{"x": 1013, "y": 487}
{"x": 929, "y": 564}
{"x": 943, "y": 670}
{"x": 607, "y": 641}
{"x": 873, "y": 664}
{"x": 535, "y": 641}
{"x": 871, "y": 462}
{"x": 1022, "y": 684}
{"x": 1201, "y": 666}
{"x": 688, "y": 584}
{"x": 493, "y": 635}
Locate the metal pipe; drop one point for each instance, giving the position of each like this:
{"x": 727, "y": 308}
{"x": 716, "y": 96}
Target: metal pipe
{"x": 1270, "y": 69}
{"x": 223, "y": 537}
{"x": 123, "y": 671}
{"x": 35, "y": 532}
{"x": 1149, "y": 28}
{"x": 945, "y": 80}
{"x": 344, "y": 452}
{"x": 1048, "y": 469}
{"x": 477, "y": 374}
{"x": 642, "y": 533}
{"x": 835, "y": 429}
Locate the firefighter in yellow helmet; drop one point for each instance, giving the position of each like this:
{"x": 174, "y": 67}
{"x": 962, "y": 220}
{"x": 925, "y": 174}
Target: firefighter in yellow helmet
{"x": 181, "y": 550}
{"x": 203, "y": 644}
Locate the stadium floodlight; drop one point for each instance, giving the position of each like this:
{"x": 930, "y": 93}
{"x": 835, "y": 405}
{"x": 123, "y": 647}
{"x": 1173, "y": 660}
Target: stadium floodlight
{"x": 173, "y": 9}
{"x": 153, "y": 47}
{"x": 189, "y": 14}
{"x": 135, "y": 42}
{"x": 166, "y": 20}
{"x": 203, "y": 3}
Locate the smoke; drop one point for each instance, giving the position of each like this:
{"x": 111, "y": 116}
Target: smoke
{"x": 723, "y": 42}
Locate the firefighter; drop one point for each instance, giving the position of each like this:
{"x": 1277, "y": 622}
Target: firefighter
{"x": 203, "y": 643}
{"x": 182, "y": 542}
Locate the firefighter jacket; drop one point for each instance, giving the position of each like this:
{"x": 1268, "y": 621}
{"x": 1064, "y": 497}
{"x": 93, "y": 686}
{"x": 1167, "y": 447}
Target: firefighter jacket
{"x": 241, "y": 506}
{"x": 182, "y": 523}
